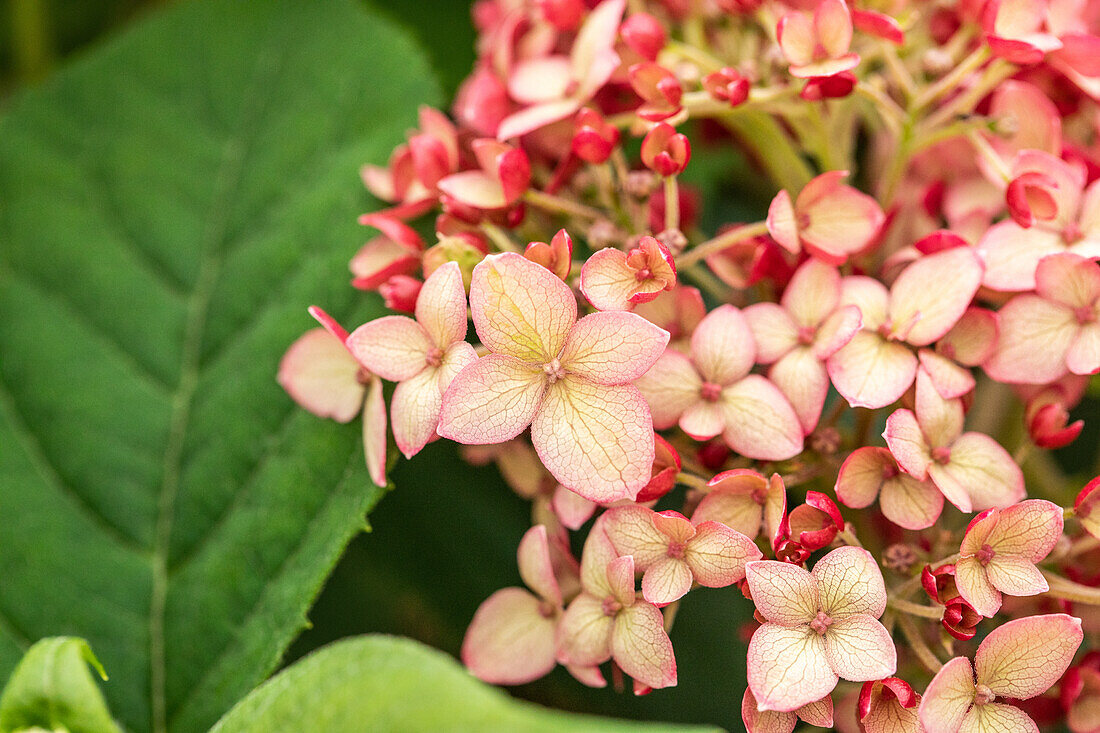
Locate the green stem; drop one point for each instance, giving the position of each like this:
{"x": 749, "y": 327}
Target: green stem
{"x": 721, "y": 242}
{"x": 690, "y": 479}
{"x": 773, "y": 148}
{"x": 559, "y": 205}
{"x": 948, "y": 82}
{"x": 672, "y": 204}
{"x": 927, "y": 657}
{"x": 916, "y": 609}
{"x": 1067, "y": 590}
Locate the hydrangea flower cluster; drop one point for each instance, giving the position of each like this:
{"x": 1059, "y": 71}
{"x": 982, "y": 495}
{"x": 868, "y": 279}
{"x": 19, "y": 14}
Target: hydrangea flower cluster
{"x": 903, "y": 333}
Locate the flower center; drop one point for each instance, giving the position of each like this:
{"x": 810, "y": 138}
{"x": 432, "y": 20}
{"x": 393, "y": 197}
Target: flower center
{"x": 554, "y": 370}
{"x": 611, "y": 606}
{"x": 985, "y": 554}
{"x": 806, "y": 335}
{"x": 676, "y": 550}
{"x": 643, "y": 274}
{"x": 434, "y": 357}
{"x": 941, "y": 455}
{"x": 546, "y": 609}
{"x": 821, "y": 622}
{"x": 362, "y": 376}
{"x": 1085, "y": 314}
{"x": 983, "y": 695}
{"x": 1072, "y": 233}
{"x": 710, "y": 391}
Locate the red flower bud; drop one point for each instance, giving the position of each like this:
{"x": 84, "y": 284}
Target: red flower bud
{"x": 400, "y": 293}
{"x": 727, "y": 85}
{"x": 665, "y": 151}
{"x": 593, "y": 137}
{"x": 644, "y": 34}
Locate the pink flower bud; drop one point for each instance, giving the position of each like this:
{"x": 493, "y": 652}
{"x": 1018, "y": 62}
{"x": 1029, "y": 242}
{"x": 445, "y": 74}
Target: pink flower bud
{"x": 565, "y": 15}
{"x": 1087, "y": 507}
{"x": 557, "y": 257}
{"x": 644, "y": 34}
{"x": 400, "y": 293}
{"x": 659, "y": 89}
{"x": 482, "y": 102}
{"x": 1031, "y": 197}
{"x": 727, "y": 85}
{"x": 816, "y": 523}
{"x": 665, "y": 151}
{"x": 1047, "y": 420}
{"x": 666, "y": 465}
{"x": 836, "y": 86}
{"x": 593, "y": 137}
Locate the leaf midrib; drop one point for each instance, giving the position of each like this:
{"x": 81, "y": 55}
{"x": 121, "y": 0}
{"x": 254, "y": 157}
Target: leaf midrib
{"x": 212, "y": 257}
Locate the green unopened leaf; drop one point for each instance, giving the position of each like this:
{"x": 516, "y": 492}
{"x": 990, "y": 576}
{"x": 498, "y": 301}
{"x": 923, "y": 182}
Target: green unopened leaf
{"x": 53, "y": 688}
{"x": 386, "y": 683}
{"x": 168, "y": 207}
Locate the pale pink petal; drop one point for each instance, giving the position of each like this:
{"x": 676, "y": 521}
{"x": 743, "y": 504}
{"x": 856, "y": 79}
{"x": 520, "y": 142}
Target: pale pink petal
{"x": 979, "y": 463}
{"x": 1024, "y": 657}
{"x": 849, "y": 583}
{"x": 607, "y": 281}
{"x": 596, "y": 35}
{"x": 613, "y": 348}
{"x": 414, "y": 411}
{"x": 535, "y": 566}
{"x": 667, "y": 580}
{"x": 782, "y": 222}
{"x": 475, "y": 188}
{"x": 978, "y": 531}
{"x": 717, "y": 555}
{"x": 933, "y": 293}
{"x": 844, "y": 221}
{"x": 1068, "y": 279}
{"x": 812, "y": 294}
{"x": 1029, "y": 529}
{"x": 620, "y": 578}
{"x": 997, "y": 718}
{"x": 950, "y": 379}
{"x": 787, "y": 667}
{"x": 802, "y": 378}
{"x": 584, "y": 633}
{"x": 380, "y": 259}
{"x": 441, "y": 305}
{"x": 797, "y": 38}
{"x": 674, "y": 526}
{"x": 509, "y": 642}
{"x": 631, "y": 531}
{"x": 320, "y": 375}
{"x": 862, "y": 474}
{"x": 571, "y": 508}
{"x": 940, "y": 420}
{"x": 595, "y": 439}
{"x": 1015, "y": 576}
{"x": 870, "y": 371}
{"x": 785, "y": 594}
{"x": 590, "y": 675}
{"x": 598, "y": 553}
{"x": 860, "y": 649}
{"x": 910, "y": 503}
{"x": 975, "y": 588}
{"x": 1011, "y": 254}
{"x": 833, "y": 26}
{"x": 772, "y": 330}
{"x": 948, "y": 697}
{"x": 837, "y": 330}
{"x": 533, "y": 117}
{"x": 870, "y": 296}
{"x": 768, "y": 721}
{"x": 1083, "y": 356}
{"x": 1035, "y": 335}
{"x": 971, "y": 340}
{"x": 374, "y": 432}
{"x": 542, "y": 79}
{"x": 393, "y": 347}
{"x": 703, "y": 420}
{"x": 908, "y": 444}
{"x": 520, "y": 308}
{"x": 738, "y": 511}
{"x": 642, "y": 648}
{"x": 760, "y": 422}
{"x": 490, "y": 401}
{"x": 670, "y": 387}
{"x": 818, "y": 712}
{"x": 722, "y": 347}
{"x": 455, "y": 359}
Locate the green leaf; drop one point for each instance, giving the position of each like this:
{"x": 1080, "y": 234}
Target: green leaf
{"x": 385, "y": 683}
{"x": 53, "y": 689}
{"x": 168, "y": 208}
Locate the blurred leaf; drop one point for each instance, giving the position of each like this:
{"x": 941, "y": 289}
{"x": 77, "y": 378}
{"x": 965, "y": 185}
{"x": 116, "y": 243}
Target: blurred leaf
{"x": 168, "y": 207}
{"x": 446, "y": 539}
{"x": 52, "y": 688}
{"x": 390, "y": 684}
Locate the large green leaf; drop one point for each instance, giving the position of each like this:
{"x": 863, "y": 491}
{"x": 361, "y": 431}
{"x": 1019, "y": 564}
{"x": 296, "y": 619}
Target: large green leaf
{"x": 168, "y": 207}
{"x": 384, "y": 683}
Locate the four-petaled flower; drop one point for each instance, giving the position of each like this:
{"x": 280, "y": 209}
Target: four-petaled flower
{"x": 821, "y": 626}
{"x": 568, "y": 379}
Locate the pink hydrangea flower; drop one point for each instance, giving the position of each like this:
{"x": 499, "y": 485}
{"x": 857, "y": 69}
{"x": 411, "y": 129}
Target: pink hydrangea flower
{"x": 568, "y": 379}
{"x": 999, "y": 552}
{"x": 503, "y": 175}
{"x": 888, "y": 706}
{"x": 422, "y": 356}
{"x": 511, "y": 638}
{"x": 971, "y": 469}
{"x": 797, "y": 335}
{"x": 871, "y": 471}
{"x": 1054, "y": 330}
{"x": 615, "y": 280}
{"x": 744, "y": 501}
{"x": 712, "y": 392}
{"x": 608, "y": 621}
{"x": 674, "y": 553}
{"x": 820, "y": 626}
{"x": 928, "y": 297}
{"x": 396, "y": 252}
{"x": 818, "y": 713}
{"x": 818, "y": 45}
{"x": 320, "y": 373}
{"x": 1080, "y": 695}
{"x": 1020, "y": 659}
{"x": 829, "y": 220}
